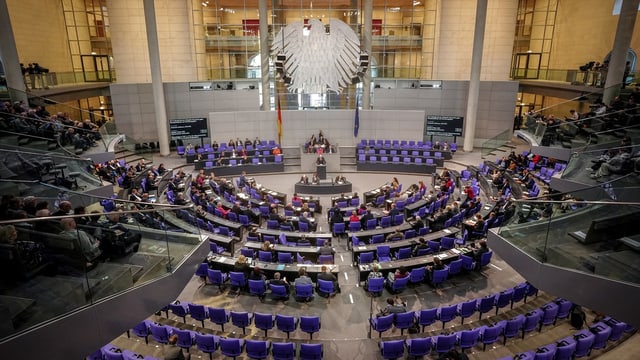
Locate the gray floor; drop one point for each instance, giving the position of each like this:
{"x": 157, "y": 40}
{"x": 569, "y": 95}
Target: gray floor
{"x": 345, "y": 317}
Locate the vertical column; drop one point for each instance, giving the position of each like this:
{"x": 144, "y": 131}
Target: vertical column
{"x": 474, "y": 80}
{"x": 156, "y": 76}
{"x": 366, "y": 46}
{"x": 9, "y": 54}
{"x": 624, "y": 32}
{"x": 264, "y": 54}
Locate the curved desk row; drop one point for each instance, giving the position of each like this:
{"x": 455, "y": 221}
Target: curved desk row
{"x": 390, "y": 152}
{"x": 308, "y": 252}
{"x": 325, "y": 187}
{"x": 290, "y": 271}
{"x": 294, "y": 236}
{"x": 365, "y": 235}
{"x": 238, "y": 169}
{"x": 411, "y": 242}
{"x": 233, "y": 226}
{"x": 227, "y": 242}
{"x": 396, "y": 167}
{"x": 387, "y": 267}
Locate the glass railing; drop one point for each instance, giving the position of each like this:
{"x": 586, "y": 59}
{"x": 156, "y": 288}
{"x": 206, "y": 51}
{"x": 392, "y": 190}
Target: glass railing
{"x": 495, "y": 142}
{"x": 55, "y": 265}
{"x": 593, "y": 237}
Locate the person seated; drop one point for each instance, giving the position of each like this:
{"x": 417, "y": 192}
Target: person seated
{"x": 277, "y": 280}
{"x": 315, "y": 179}
{"x": 374, "y": 274}
{"x": 400, "y": 273}
{"x": 395, "y": 236}
{"x": 304, "y": 218}
{"x": 257, "y": 274}
{"x": 422, "y": 244}
{"x": 326, "y": 249}
{"x": 327, "y": 276}
{"x": 303, "y": 278}
{"x": 253, "y": 232}
{"x": 366, "y": 217}
{"x": 437, "y": 265}
{"x": 394, "y": 306}
{"x": 417, "y": 223}
{"x": 614, "y": 165}
{"x": 483, "y": 248}
{"x": 354, "y": 217}
{"x": 393, "y": 211}
{"x": 89, "y": 246}
{"x": 242, "y": 265}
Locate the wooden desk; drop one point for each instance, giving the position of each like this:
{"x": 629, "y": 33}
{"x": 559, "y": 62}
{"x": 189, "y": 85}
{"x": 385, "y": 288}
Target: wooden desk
{"x": 365, "y": 235}
{"x": 394, "y": 245}
{"x": 411, "y": 263}
{"x": 227, "y": 242}
{"x": 296, "y": 236}
{"x": 308, "y": 252}
{"x": 290, "y": 271}
{"x": 371, "y": 195}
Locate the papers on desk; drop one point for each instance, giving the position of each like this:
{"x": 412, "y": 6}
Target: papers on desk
{"x": 456, "y": 251}
{"x": 447, "y": 231}
{"x": 362, "y": 248}
{"x": 442, "y": 256}
{"x": 280, "y": 267}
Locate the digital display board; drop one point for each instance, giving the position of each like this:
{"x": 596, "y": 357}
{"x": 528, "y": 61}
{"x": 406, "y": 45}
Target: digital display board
{"x": 444, "y": 125}
{"x": 192, "y": 128}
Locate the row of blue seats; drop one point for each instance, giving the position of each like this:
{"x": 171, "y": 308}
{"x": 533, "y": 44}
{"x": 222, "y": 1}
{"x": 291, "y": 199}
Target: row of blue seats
{"x": 445, "y": 314}
{"x": 402, "y": 144}
{"x": 209, "y": 343}
{"x": 580, "y": 344}
{"x": 486, "y": 334}
{"x": 112, "y": 352}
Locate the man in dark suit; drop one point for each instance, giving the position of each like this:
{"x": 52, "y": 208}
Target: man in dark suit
{"x": 327, "y": 276}
{"x": 278, "y": 281}
{"x": 393, "y": 211}
{"x": 365, "y": 218}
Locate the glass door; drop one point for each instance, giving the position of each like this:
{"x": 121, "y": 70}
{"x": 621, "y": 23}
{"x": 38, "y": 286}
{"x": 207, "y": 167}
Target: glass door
{"x": 526, "y": 65}
{"x": 95, "y": 68}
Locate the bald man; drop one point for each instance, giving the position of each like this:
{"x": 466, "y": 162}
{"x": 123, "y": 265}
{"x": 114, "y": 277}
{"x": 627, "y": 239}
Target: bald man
{"x": 88, "y": 244}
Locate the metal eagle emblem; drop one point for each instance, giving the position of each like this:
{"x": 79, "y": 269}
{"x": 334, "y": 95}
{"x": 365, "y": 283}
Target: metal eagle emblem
{"x": 315, "y": 59}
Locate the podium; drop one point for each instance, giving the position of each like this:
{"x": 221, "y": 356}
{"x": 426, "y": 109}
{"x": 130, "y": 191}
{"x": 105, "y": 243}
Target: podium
{"x": 321, "y": 170}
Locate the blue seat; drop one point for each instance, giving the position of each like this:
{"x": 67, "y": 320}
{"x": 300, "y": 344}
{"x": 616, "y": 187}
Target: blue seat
{"x": 354, "y": 226}
{"x": 285, "y": 258}
{"x": 231, "y": 347}
{"x": 382, "y": 323}
{"x": 218, "y": 316}
{"x": 160, "y": 333}
{"x": 444, "y": 343}
{"x": 217, "y": 277}
{"x": 455, "y": 267}
{"x": 491, "y": 334}
{"x": 250, "y": 253}
{"x": 265, "y": 256}
{"x": 283, "y": 351}
{"x": 417, "y": 275}
{"x": 279, "y": 292}
{"x": 392, "y": 349}
{"x": 142, "y": 330}
{"x": 286, "y": 323}
{"x": 325, "y": 259}
{"x": 447, "y": 313}
{"x": 403, "y": 253}
{"x": 241, "y": 319}
{"x": 186, "y": 338}
{"x": 439, "y": 276}
{"x": 513, "y": 327}
{"x": 377, "y": 239}
{"x": 398, "y": 285}
{"x": 564, "y": 308}
{"x": 207, "y": 343}
{"x": 585, "y": 340}
{"x": 466, "y": 309}
{"x": 503, "y": 299}
{"x": 180, "y": 310}
{"x": 365, "y": 257}
{"x": 468, "y": 338}
{"x": 304, "y": 292}
{"x": 371, "y": 224}
{"x": 375, "y": 286}
{"x": 258, "y": 288}
{"x": 519, "y": 292}
{"x": 311, "y": 351}
{"x": 531, "y": 321}
{"x": 486, "y": 304}
{"x": 263, "y": 322}
{"x": 338, "y": 229}
{"x": 418, "y": 347}
{"x": 383, "y": 253}
{"x": 426, "y": 317}
{"x": 198, "y": 312}
{"x": 238, "y": 280}
{"x": 325, "y": 288}
{"x": 257, "y": 349}
{"x": 404, "y": 321}
{"x": 549, "y": 313}
{"x": 565, "y": 349}
{"x": 310, "y": 325}
{"x": 385, "y": 221}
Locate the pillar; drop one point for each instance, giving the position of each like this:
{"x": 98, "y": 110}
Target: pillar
{"x": 9, "y": 55}
{"x": 621, "y": 42}
{"x": 366, "y": 46}
{"x": 474, "y": 80}
{"x": 156, "y": 77}
{"x": 264, "y": 54}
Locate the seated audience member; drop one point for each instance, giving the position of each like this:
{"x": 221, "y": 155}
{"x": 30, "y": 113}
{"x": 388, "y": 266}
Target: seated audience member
{"x": 395, "y": 236}
{"x": 437, "y": 265}
{"x": 279, "y": 281}
{"x": 327, "y": 276}
{"x": 394, "y": 306}
{"x": 417, "y": 223}
{"x": 257, "y": 274}
{"x": 374, "y": 274}
{"x": 400, "y": 273}
{"x": 613, "y": 165}
{"x": 422, "y": 244}
{"x": 302, "y": 278}
{"x": 315, "y": 179}
{"x": 477, "y": 254}
{"x": 304, "y": 179}
{"x": 326, "y": 249}
{"x": 172, "y": 351}
{"x": 366, "y": 217}
{"x": 88, "y": 244}
{"x": 30, "y": 254}
{"x": 354, "y": 217}
{"x": 242, "y": 265}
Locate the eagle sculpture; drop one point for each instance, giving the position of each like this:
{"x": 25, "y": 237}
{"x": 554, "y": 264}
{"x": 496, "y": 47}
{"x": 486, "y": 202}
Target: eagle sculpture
{"x": 317, "y": 59}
